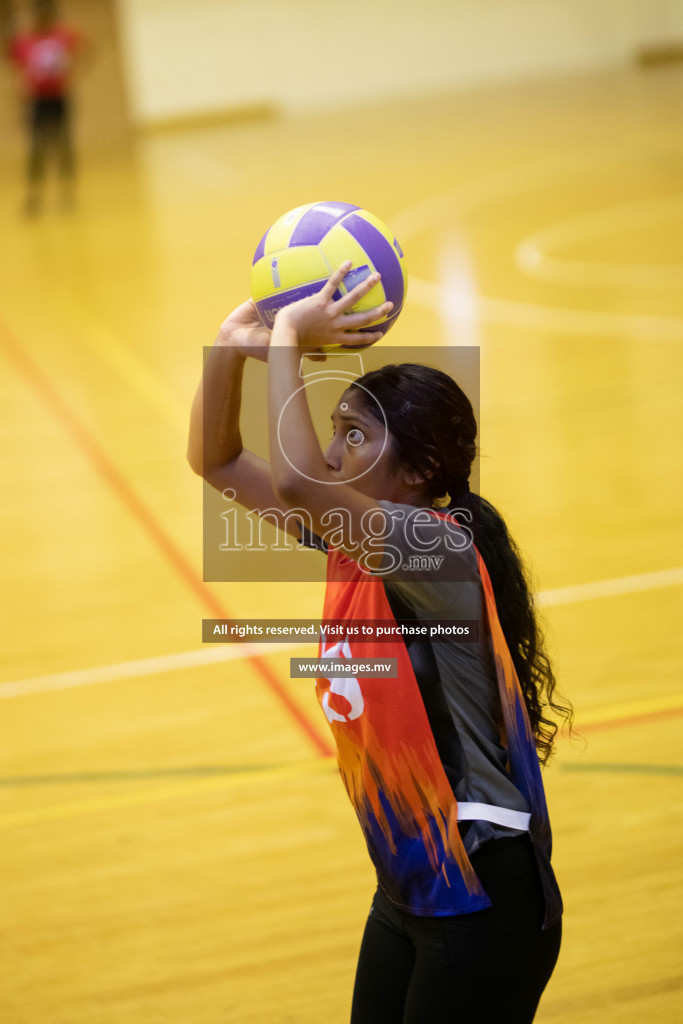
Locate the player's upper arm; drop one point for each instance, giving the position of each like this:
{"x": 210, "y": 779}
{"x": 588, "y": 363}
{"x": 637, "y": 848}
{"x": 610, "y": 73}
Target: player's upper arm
{"x": 249, "y": 479}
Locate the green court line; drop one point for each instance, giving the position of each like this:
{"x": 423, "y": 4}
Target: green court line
{"x": 625, "y": 768}
{"x": 206, "y": 771}
{"x": 193, "y": 781}
{"x": 136, "y": 775}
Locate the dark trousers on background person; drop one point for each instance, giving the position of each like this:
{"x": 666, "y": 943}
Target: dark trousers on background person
{"x": 49, "y": 123}
{"x": 489, "y": 967}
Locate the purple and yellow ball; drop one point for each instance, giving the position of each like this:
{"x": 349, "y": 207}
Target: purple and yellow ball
{"x": 297, "y": 255}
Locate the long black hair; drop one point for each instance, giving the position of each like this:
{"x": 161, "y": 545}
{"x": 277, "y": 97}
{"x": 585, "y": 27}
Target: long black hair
{"x": 434, "y": 429}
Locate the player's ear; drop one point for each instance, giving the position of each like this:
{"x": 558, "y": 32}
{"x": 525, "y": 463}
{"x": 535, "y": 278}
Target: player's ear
{"x": 415, "y": 479}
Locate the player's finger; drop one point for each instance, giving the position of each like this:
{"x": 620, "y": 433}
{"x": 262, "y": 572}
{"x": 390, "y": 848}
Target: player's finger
{"x": 354, "y": 339}
{"x": 336, "y": 278}
{"x": 367, "y": 317}
{"x": 357, "y": 293}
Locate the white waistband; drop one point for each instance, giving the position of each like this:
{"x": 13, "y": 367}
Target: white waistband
{"x": 498, "y": 815}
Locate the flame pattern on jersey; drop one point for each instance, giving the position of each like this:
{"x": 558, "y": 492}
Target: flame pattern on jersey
{"x": 391, "y": 768}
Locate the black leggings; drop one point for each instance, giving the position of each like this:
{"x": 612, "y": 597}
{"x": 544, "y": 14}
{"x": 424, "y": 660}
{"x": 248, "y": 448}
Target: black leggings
{"x": 488, "y": 967}
{"x": 50, "y": 127}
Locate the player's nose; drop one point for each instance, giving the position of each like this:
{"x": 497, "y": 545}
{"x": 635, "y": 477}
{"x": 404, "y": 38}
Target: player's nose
{"x": 333, "y": 455}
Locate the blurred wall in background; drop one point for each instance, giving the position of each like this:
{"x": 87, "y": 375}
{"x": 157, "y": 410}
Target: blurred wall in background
{"x": 189, "y": 58}
{"x": 162, "y": 61}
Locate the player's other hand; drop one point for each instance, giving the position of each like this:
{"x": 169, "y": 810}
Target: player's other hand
{"x": 243, "y": 330}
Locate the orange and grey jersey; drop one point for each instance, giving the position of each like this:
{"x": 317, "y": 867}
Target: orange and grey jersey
{"x": 413, "y": 783}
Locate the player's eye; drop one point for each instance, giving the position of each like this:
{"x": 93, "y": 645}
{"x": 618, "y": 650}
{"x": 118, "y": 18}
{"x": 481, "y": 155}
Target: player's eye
{"x": 355, "y": 437}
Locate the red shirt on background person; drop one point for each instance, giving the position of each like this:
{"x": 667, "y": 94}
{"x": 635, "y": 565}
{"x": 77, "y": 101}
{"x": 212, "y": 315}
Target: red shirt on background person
{"x": 45, "y": 56}
{"x": 45, "y": 59}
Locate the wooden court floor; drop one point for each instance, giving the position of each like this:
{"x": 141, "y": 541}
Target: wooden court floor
{"x": 175, "y": 845}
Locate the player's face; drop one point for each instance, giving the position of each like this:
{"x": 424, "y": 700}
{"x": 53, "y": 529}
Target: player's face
{"x": 361, "y": 450}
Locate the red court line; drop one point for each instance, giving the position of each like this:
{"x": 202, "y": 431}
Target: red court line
{"x": 619, "y": 723}
{"x": 117, "y": 481}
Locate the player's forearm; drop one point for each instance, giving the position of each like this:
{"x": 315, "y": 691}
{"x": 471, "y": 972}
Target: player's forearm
{"x": 297, "y": 463}
{"x": 215, "y": 438}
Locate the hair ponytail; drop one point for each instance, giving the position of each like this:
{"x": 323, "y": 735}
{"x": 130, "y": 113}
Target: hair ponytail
{"x": 517, "y": 614}
{"x": 434, "y": 429}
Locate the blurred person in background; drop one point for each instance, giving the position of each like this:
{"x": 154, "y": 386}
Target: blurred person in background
{"x": 45, "y": 54}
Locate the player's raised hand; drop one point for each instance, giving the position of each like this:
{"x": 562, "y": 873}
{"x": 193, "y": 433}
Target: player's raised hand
{"x": 243, "y": 330}
{"x": 320, "y": 320}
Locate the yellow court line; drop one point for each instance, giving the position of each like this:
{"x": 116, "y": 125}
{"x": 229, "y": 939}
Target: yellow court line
{"x": 211, "y": 654}
{"x": 577, "y": 593}
{"x": 144, "y": 797}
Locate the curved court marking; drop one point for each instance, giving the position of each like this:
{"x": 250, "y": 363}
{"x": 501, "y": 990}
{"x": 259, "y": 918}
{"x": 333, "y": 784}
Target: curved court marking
{"x": 468, "y": 196}
{"x": 473, "y": 308}
{"x": 534, "y": 254}
{"x": 214, "y": 654}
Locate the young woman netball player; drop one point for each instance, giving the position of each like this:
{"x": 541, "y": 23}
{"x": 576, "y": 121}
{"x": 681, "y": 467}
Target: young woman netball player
{"x": 442, "y": 762}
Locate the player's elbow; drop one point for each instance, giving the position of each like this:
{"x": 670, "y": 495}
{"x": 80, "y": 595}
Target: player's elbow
{"x": 290, "y": 488}
{"x": 201, "y": 464}
{"x": 195, "y": 458}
